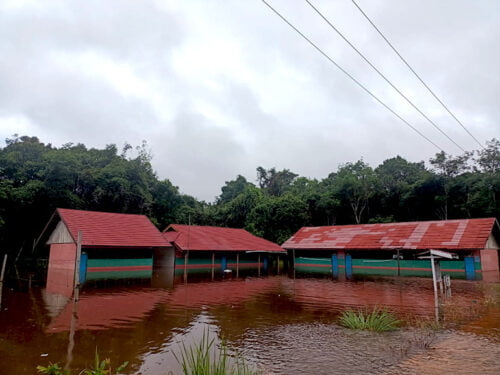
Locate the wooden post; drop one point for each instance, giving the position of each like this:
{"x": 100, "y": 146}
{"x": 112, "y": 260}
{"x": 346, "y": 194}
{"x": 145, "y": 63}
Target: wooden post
{"x": 72, "y": 330}
{"x": 258, "y": 265}
{"x": 237, "y": 265}
{"x": 76, "y": 293}
{"x": 2, "y": 274}
{"x": 213, "y": 265}
{"x": 433, "y": 268}
{"x": 277, "y": 264}
{"x": 434, "y": 284}
{"x": 186, "y": 255}
{"x": 293, "y": 260}
{"x": 399, "y": 268}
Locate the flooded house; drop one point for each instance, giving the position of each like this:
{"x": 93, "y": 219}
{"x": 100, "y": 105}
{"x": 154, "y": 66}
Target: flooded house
{"x": 111, "y": 246}
{"x": 205, "y": 249}
{"x": 394, "y": 249}
{"x": 91, "y": 246}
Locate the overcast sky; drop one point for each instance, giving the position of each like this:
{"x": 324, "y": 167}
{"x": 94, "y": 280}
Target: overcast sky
{"x": 218, "y": 88}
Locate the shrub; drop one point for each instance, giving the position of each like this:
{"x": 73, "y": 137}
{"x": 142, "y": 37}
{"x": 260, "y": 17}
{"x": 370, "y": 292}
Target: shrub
{"x": 378, "y": 320}
{"x": 205, "y": 358}
{"x": 100, "y": 368}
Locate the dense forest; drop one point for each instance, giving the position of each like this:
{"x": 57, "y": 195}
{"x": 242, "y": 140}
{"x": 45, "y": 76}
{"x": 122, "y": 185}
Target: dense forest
{"x": 35, "y": 178}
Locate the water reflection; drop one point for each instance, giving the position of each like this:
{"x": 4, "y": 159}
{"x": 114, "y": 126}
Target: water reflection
{"x": 281, "y": 323}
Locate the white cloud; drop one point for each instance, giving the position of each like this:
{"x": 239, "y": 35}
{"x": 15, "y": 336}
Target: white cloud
{"x": 218, "y": 88}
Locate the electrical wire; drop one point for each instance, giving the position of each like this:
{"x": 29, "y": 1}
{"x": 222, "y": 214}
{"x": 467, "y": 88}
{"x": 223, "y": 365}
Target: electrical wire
{"x": 383, "y": 75}
{"x": 350, "y": 76}
{"x": 416, "y": 75}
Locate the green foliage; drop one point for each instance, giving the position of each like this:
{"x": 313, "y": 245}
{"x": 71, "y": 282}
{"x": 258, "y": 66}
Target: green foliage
{"x": 277, "y": 218}
{"x": 275, "y": 183}
{"x": 101, "y": 367}
{"x": 489, "y": 158}
{"x": 52, "y": 369}
{"x": 35, "y": 178}
{"x": 355, "y": 183}
{"x": 233, "y": 189}
{"x": 376, "y": 320}
{"x": 205, "y": 358}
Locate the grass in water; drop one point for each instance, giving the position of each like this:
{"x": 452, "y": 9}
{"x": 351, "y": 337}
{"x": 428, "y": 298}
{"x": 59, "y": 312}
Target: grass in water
{"x": 206, "y": 358}
{"x": 101, "y": 367}
{"x": 377, "y": 320}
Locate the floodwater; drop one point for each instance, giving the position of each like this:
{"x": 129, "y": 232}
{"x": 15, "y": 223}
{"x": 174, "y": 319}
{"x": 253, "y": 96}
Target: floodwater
{"x": 278, "y": 324}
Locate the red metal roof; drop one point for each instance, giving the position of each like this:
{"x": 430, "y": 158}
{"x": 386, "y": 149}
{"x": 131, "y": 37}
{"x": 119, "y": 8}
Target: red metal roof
{"x": 447, "y": 234}
{"x": 105, "y": 229}
{"x": 206, "y": 238}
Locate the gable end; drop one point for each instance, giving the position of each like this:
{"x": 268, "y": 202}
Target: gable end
{"x": 60, "y": 235}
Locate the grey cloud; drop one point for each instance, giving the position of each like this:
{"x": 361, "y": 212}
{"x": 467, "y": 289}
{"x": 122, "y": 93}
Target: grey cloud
{"x": 323, "y": 119}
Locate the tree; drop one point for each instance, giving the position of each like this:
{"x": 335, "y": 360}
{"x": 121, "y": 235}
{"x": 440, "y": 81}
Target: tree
{"x": 489, "y": 158}
{"x": 275, "y": 183}
{"x": 277, "y": 218}
{"x": 232, "y": 189}
{"x": 355, "y": 184}
{"x": 449, "y": 167}
{"x": 396, "y": 180}
{"x": 235, "y": 214}
{"x": 166, "y": 203}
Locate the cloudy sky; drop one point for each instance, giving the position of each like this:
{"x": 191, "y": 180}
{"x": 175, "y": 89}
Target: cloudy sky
{"x": 218, "y": 88}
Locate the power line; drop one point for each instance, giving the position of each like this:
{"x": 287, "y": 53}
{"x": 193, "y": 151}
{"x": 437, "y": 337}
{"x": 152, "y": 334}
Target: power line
{"x": 416, "y": 75}
{"x": 351, "y": 77}
{"x": 382, "y": 74}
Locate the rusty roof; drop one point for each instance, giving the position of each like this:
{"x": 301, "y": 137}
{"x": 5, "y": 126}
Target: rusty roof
{"x": 106, "y": 229}
{"x": 207, "y": 238}
{"x": 420, "y": 235}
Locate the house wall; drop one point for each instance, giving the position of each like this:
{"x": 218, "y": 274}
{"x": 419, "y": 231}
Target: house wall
{"x": 61, "y": 269}
{"x": 489, "y": 256}
{"x": 490, "y": 265}
{"x": 119, "y": 263}
{"x": 201, "y": 262}
{"x": 380, "y": 264}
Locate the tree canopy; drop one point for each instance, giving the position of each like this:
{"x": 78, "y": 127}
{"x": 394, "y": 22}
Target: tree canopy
{"x": 35, "y": 178}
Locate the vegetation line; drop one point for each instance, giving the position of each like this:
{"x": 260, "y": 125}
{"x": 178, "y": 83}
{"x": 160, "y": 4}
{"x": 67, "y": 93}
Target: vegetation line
{"x": 36, "y": 178}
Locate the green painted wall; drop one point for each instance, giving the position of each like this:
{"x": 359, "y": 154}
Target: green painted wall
{"x": 120, "y": 262}
{"x": 121, "y": 271}
{"x": 380, "y": 267}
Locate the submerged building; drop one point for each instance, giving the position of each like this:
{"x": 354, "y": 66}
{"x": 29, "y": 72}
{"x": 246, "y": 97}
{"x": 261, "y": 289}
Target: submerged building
{"x": 205, "y": 249}
{"x": 393, "y": 249}
{"x": 112, "y": 246}
{"x": 91, "y": 245}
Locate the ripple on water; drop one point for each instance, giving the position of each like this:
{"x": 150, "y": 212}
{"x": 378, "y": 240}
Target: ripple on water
{"x": 328, "y": 349}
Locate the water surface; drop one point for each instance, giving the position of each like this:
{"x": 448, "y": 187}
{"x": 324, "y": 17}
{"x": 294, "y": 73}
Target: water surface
{"x": 280, "y": 324}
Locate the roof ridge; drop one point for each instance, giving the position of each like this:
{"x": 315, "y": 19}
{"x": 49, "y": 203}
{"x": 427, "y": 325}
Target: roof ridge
{"x": 99, "y": 212}
{"x": 206, "y": 226}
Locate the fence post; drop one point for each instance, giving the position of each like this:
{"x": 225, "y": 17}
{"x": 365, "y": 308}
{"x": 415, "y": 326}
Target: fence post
{"x": 2, "y": 274}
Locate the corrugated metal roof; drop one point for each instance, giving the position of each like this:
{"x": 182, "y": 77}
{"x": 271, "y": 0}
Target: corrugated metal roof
{"x": 206, "y": 238}
{"x": 447, "y": 234}
{"x": 105, "y": 229}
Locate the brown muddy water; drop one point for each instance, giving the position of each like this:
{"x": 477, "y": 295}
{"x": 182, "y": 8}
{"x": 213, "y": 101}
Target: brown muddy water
{"x": 278, "y": 324}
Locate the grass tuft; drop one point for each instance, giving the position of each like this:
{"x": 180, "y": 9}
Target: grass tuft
{"x": 206, "y": 358}
{"x": 378, "y": 320}
{"x": 101, "y": 367}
